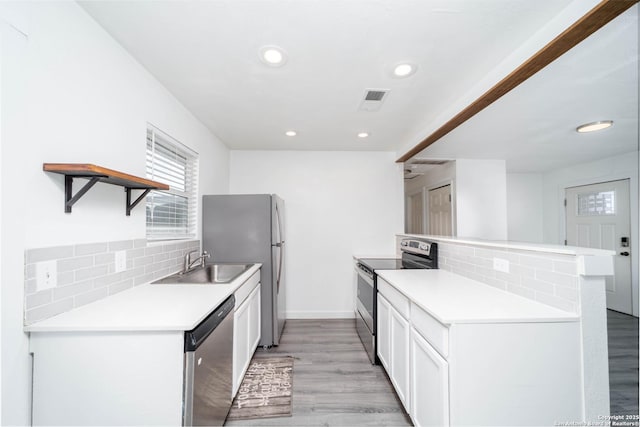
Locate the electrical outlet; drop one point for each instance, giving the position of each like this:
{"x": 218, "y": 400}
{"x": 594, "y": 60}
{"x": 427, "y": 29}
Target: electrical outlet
{"x": 500, "y": 264}
{"x": 46, "y": 275}
{"x": 121, "y": 261}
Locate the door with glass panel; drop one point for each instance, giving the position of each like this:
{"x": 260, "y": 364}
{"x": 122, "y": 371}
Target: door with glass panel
{"x": 598, "y": 217}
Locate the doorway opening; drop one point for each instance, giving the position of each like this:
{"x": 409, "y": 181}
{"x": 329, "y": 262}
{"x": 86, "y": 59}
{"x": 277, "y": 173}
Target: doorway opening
{"x": 598, "y": 216}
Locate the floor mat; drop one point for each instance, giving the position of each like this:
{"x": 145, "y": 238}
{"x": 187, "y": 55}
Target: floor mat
{"x": 265, "y": 391}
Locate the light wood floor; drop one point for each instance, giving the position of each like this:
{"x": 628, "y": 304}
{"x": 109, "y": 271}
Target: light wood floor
{"x": 334, "y": 384}
{"x": 623, "y": 363}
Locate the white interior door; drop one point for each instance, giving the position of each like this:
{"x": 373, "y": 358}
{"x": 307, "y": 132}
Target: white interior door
{"x": 598, "y": 217}
{"x": 440, "y": 211}
{"x": 416, "y": 213}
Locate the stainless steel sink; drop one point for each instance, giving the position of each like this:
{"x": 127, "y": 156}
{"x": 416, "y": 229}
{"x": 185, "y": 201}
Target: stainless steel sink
{"x": 212, "y": 274}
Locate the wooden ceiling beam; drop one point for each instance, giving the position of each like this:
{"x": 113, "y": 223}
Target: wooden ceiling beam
{"x": 595, "y": 19}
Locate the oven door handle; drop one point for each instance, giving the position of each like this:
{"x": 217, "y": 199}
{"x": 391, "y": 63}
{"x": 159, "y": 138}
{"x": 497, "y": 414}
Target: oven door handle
{"x": 366, "y": 278}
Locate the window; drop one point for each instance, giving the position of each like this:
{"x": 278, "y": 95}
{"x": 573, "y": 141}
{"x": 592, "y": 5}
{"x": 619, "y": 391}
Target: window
{"x": 599, "y": 203}
{"x": 171, "y": 214}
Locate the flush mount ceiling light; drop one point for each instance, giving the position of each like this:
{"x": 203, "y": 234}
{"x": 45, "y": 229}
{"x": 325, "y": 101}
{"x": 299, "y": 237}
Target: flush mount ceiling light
{"x": 404, "y": 69}
{"x": 291, "y": 133}
{"x": 363, "y": 135}
{"x": 273, "y": 56}
{"x": 592, "y": 127}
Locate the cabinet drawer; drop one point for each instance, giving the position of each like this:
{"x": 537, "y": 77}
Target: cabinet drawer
{"x": 397, "y": 300}
{"x": 246, "y": 288}
{"x": 433, "y": 331}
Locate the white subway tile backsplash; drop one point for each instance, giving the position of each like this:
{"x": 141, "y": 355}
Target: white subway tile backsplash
{"x": 522, "y": 291}
{"x": 561, "y": 303}
{"x": 536, "y": 262}
{"x": 70, "y": 264}
{"x": 91, "y": 296}
{"x": 39, "y": 298}
{"x": 90, "y": 248}
{"x": 61, "y": 292}
{"x": 135, "y": 253}
{"x": 48, "y": 310}
{"x": 120, "y": 286}
{"x": 66, "y": 278}
{"x": 120, "y": 245}
{"x": 152, "y": 250}
{"x": 546, "y": 278}
{"x": 46, "y": 254}
{"x": 107, "y": 258}
{"x": 86, "y": 272}
{"x": 538, "y": 286}
{"x": 140, "y": 243}
{"x": 557, "y": 278}
{"x": 566, "y": 267}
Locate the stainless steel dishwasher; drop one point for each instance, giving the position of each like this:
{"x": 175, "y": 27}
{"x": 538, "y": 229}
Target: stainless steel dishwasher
{"x": 208, "y": 368}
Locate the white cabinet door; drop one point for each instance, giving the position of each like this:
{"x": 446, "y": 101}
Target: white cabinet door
{"x": 399, "y": 358}
{"x": 429, "y": 384}
{"x": 241, "y": 356}
{"x": 384, "y": 332}
{"x": 254, "y": 320}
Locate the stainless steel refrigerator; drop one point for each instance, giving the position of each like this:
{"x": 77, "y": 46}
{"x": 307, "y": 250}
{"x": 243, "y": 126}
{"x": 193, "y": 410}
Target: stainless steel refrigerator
{"x": 250, "y": 228}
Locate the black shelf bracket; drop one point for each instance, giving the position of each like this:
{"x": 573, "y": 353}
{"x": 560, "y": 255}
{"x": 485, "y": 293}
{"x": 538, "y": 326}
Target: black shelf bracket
{"x": 70, "y": 199}
{"x": 96, "y": 174}
{"x": 130, "y": 205}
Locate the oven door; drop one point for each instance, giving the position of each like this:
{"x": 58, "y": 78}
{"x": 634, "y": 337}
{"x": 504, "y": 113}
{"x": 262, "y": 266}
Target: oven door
{"x": 365, "y": 319}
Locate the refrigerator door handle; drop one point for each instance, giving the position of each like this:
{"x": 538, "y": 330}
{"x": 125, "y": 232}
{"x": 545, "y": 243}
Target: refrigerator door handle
{"x": 281, "y": 246}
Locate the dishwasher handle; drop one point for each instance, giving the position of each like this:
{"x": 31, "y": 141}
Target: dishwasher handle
{"x": 196, "y": 336}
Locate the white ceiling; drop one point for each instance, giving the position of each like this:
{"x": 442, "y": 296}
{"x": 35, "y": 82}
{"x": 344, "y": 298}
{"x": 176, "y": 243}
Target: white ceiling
{"x": 206, "y": 54}
{"x": 533, "y": 127}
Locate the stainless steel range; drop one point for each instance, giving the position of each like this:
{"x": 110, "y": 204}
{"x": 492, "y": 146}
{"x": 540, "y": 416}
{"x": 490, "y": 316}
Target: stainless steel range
{"x": 416, "y": 254}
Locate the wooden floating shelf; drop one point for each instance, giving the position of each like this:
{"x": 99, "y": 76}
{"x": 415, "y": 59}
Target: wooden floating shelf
{"x": 97, "y": 174}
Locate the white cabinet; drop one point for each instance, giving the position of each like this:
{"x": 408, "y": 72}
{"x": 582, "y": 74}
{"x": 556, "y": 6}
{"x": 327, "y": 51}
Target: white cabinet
{"x": 400, "y": 356}
{"x": 478, "y": 373}
{"x": 384, "y": 332}
{"x": 429, "y": 384}
{"x": 246, "y": 328}
{"x": 393, "y": 341}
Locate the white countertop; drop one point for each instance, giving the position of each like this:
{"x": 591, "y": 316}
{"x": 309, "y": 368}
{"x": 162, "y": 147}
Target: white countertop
{"x": 452, "y": 298}
{"x": 525, "y": 246}
{"x": 146, "y": 308}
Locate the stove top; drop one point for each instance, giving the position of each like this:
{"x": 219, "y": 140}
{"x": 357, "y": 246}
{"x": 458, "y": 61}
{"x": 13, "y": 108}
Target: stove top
{"x": 387, "y": 263}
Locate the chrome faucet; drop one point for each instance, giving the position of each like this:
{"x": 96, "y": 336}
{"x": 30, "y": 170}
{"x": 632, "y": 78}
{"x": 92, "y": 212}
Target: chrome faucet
{"x": 189, "y": 263}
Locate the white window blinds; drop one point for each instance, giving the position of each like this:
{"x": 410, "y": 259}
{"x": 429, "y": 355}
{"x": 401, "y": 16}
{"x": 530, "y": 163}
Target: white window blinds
{"x": 171, "y": 214}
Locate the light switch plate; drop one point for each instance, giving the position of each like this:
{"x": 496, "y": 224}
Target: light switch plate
{"x": 121, "y": 261}
{"x": 46, "y": 275}
{"x": 500, "y": 264}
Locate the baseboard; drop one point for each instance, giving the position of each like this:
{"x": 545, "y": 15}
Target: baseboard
{"x": 320, "y": 315}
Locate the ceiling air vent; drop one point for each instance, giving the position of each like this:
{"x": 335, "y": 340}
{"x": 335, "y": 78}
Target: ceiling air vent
{"x": 373, "y": 99}
{"x": 427, "y": 162}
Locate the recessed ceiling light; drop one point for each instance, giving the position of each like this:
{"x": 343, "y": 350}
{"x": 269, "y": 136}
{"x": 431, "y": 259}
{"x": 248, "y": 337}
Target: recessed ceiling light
{"x": 592, "y": 127}
{"x": 291, "y": 133}
{"x": 363, "y": 135}
{"x": 273, "y": 56}
{"x": 404, "y": 70}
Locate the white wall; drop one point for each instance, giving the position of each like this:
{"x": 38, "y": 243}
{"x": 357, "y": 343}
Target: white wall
{"x": 337, "y": 204}
{"x": 83, "y": 99}
{"x": 609, "y": 169}
{"x": 481, "y": 199}
{"x": 524, "y": 207}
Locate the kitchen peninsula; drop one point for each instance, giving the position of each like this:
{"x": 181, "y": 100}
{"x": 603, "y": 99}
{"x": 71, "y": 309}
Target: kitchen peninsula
{"x": 569, "y": 281}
